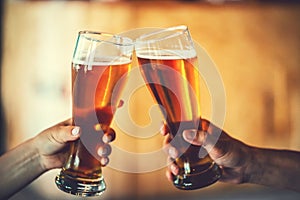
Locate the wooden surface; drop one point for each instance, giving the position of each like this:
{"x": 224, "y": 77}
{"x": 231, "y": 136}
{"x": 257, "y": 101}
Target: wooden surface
{"x": 256, "y": 50}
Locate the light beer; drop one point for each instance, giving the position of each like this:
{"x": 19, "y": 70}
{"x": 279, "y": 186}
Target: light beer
{"x": 96, "y": 94}
{"x": 174, "y": 83}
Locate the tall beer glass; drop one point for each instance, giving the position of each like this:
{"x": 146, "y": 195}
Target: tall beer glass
{"x": 100, "y": 66}
{"x": 168, "y": 63}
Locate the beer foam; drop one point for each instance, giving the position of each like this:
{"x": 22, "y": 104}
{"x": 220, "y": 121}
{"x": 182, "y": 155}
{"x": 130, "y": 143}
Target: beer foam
{"x": 166, "y": 54}
{"x": 103, "y": 61}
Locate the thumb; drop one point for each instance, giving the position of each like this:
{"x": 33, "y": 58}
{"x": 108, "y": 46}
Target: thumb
{"x": 195, "y": 137}
{"x": 63, "y": 134}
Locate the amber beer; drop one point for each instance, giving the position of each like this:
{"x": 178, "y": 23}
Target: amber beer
{"x": 96, "y": 93}
{"x": 100, "y": 65}
{"x": 94, "y": 107}
{"x": 174, "y": 83}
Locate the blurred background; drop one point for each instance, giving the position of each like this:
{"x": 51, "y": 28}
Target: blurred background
{"x": 254, "y": 44}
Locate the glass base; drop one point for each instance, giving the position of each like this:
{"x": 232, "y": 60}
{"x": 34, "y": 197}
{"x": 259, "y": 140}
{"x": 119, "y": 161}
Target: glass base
{"x": 80, "y": 187}
{"x": 199, "y": 180}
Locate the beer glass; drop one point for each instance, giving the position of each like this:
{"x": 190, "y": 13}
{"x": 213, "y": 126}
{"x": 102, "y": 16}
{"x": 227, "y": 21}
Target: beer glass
{"x": 100, "y": 66}
{"x": 168, "y": 63}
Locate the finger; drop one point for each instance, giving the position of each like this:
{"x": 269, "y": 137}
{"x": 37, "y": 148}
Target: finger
{"x": 63, "y": 134}
{"x": 208, "y": 136}
{"x": 104, "y": 150}
{"x": 172, "y": 166}
{"x": 195, "y": 137}
{"x": 104, "y": 161}
{"x": 169, "y": 175}
{"x": 109, "y": 136}
{"x": 212, "y": 144}
{"x": 164, "y": 130}
{"x": 75, "y": 131}
{"x": 168, "y": 148}
{"x": 167, "y": 140}
{"x": 173, "y": 152}
{"x": 174, "y": 169}
{"x": 216, "y": 142}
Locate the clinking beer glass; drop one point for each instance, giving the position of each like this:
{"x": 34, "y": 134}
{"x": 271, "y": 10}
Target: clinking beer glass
{"x": 168, "y": 63}
{"x": 100, "y": 66}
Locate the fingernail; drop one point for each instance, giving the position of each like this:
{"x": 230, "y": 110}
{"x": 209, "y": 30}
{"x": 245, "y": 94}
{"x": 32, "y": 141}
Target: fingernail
{"x": 106, "y": 138}
{"x": 174, "y": 169}
{"x": 172, "y": 152}
{"x": 104, "y": 161}
{"x": 102, "y": 151}
{"x": 190, "y": 134}
{"x": 202, "y": 152}
{"x": 75, "y": 131}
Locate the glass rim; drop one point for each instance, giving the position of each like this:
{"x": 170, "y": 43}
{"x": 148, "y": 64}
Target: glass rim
{"x": 181, "y": 29}
{"x": 125, "y": 42}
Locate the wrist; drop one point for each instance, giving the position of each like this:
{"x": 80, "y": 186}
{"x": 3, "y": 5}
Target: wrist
{"x": 35, "y": 144}
{"x": 254, "y": 170}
